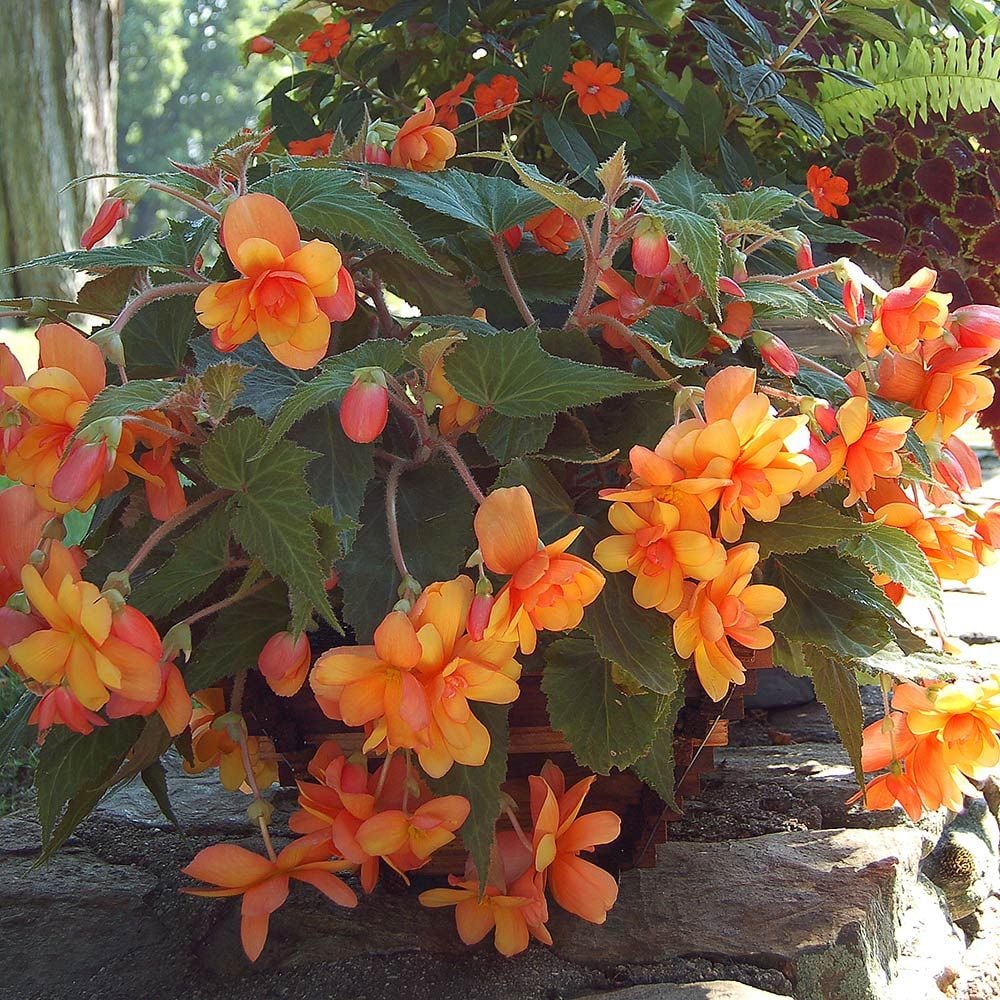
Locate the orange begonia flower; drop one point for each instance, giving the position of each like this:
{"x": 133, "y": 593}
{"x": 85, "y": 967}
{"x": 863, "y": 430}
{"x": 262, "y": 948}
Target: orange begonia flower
{"x": 945, "y": 382}
{"x": 660, "y": 547}
{"x": 60, "y": 707}
{"x": 456, "y": 413}
{"x": 594, "y": 86}
{"x": 760, "y": 457}
{"x": 264, "y": 884}
{"x": 55, "y": 398}
{"x": 908, "y": 315}
{"x": 548, "y": 588}
{"x": 976, "y": 327}
{"x": 284, "y": 662}
{"x": 419, "y": 834}
{"x": 12, "y": 419}
{"x": 553, "y": 230}
{"x": 421, "y": 145}
{"x": 81, "y": 643}
{"x": 728, "y": 608}
{"x": 213, "y": 746}
{"x": 497, "y": 99}
{"x": 865, "y": 449}
{"x": 281, "y": 294}
{"x": 327, "y": 43}
{"x": 827, "y": 189}
{"x": 561, "y": 834}
{"x": 22, "y": 521}
{"x": 446, "y": 105}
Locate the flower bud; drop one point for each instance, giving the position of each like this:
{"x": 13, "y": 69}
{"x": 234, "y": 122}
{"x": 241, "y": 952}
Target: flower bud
{"x": 113, "y": 211}
{"x": 976, "y": 326}
{"x": 118, "y": 580}
{"x": 825, "y": 416}
{"x": 479, "y": 611}
{"x": 364, "y": 410}
{"x": 650, "y": 248}
{"x": 262, "y": 45}
{"x": 730, "y": 287}
{"x": 512, "y": 237}
{"x": 36, "y": 558}
{"x": 83, "y": 466}
{"x": 284, "y": 662}
{"x": 804, "y": 260}
{"x": 110, "y": 343}
{"x": 177, "y": 641}
{"x": 374, "y": 151}
{"x": 776, "y": 353}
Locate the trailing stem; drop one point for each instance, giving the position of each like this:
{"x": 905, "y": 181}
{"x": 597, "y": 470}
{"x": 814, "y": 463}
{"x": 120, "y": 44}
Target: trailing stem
{"x": 508, "y": 276}
{"x": 171, "y": 524}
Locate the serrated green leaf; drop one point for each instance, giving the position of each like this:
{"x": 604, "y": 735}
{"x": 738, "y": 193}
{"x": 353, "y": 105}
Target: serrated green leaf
{"x": 156, "y": 338}
{"x": 222, "y": 385}
{"x": 699, "y": 240}
{"x": 684, "y": 187}
{"x": 762, "y": 204}
{"x": 675, "y": 337}
{"x": 333, "y": 202}
{"x": 656, "y": 765}
{"x": 772, "y": 299}
{"x": 568, "y": 141}
{"x": 271, "y": 509}
{"x": 198, "y": 560}
{"x": 557, "y": 194}
{"x": 893, "y": 552}
{"x": 15, "y": 733}
{"x": 553, "y": 508}
{"x": 604, "y": 726}
{"x": 334, "y": 379}
{"x": 510, "y": 372}
{"x": 133, "y": 397}
{"x": 837, "y": 687}
{"x": 507, "y": 438}
{"x": 461, "y": 324}
{"x": 803, "y": 525}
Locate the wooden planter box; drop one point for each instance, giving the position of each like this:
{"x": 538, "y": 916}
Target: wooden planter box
{"x": 297, "y": 727}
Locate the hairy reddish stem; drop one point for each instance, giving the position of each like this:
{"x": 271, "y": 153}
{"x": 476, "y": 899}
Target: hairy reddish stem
{"x": 170, "y": 525}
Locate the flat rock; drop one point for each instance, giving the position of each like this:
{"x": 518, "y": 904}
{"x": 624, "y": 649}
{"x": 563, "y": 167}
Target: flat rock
{"x": 718, "y": 990}
{"x": 820, "y": 906}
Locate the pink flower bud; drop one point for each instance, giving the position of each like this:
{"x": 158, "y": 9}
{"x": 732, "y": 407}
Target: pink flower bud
{"x": 977, "y": 326}
{"x": 341, "y": 305}
{"x": 479, "y": 616}
{"x": 261, "y": 45}
{"x": 854, "y": 301}
{"x": 364, "y": 410}
{"x": 375, "y": 152}
{"x": 284, "y": 662}
{"x": 804, "y": 261}
{"x": 512, "y": 237}
{"x": 776, "y": 353}
{"x": 108, "y": 216}
{"x": 82, "y": 468}
{"x": 730, "y": 287}
{"x": 650, "y": 248}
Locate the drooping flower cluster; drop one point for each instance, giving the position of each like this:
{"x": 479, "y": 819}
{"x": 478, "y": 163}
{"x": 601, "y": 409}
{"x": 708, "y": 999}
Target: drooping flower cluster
{"x": 937, "y": 737}
{"x": 513, "y": 904}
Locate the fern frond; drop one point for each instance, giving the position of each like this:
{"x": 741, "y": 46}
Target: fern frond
{"x": 916, "y": 81}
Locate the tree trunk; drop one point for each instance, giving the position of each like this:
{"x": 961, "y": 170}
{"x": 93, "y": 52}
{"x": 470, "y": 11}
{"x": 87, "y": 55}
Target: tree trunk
{"x": 58, "y": 96}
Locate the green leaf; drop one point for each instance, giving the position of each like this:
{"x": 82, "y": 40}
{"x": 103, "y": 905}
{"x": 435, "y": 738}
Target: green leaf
{"x": 70, "y": 764}
{"x": 868, "y": 23}
{"x": 333, "y": 202}
{"x": 221, "y": 386}
{"x": 637, "y": 640}
{"x": 567, "y": 140}
{"x": 133, "y": 397}
{"x": 703, "y": 118}
{"x": 334, "y": 379}
{"x": 803, "y": 525}
{"x": 154, "y": 777}
{"x": 553, "y": 192}
{"x": 450, "y": 16}
{"x": 481, "y": 786}
{"x": 684, "y": 187}
{"x": 763, "y": 204}
{"x": 491, "y": 204}
{"x": 431, "y": 504}
{"x": 782, "y": 302}
{"x": 674, "y": 336}
{"x": 837, "y": 687}
{"x": 889, "y": 550}
{"x": 656, "y": 766}
{"x": 198, "y": 560}
{"x": 550, "y": 49}
{"x": 271, "y": 509}
{"x": 507, "y": 438}
{"x": 236, "y": 637}
{"x": 510, "y": 372}
{"x": 156, "y": 338}
{"x": 15, "y": 733}
{"x": 699, "y": 241}
{"x": 595, "y": 24}
{"x": 174, "y": 250}
{"x": 604, "y": 726}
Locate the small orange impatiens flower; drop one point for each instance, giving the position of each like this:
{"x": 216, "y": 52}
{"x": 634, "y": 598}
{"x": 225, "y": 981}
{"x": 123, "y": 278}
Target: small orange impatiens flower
{"x": 724, "y": 610}
{"x": 447, "y": 104}
{"x": 496, "y": 99}
{"x": 264, "y": 884}
{"x": 421, "y": 145}
{"x": 594, "y": 86}
{"x": 553, "y": 230}
{"x": 327, "y": 43}
{"x": 317, "y": 146}
{"x": 289, "y": 291}
{"x": 908, "y": 315}
{"x": 548, "y": 589}
{"x": 829, "y": 192}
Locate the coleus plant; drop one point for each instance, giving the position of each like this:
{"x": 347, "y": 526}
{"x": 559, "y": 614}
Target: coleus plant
{"x": 395, "y": 434}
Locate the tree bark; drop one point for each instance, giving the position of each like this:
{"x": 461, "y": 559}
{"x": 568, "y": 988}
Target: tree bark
{"x": 58, "y": 97}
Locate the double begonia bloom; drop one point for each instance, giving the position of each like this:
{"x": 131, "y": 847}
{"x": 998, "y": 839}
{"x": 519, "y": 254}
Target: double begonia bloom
{"x": 421, "y": 145}
{"x": 594, "y": 86}
{"x": 976, "y": 327}
{"x": 456, "y": 413}
{"x": 415, "y": 836}
{"x": 284, "y": 662}
{"x": 726, "y": 609}
{"x": 553, "y": 230}
{"x": 213, "y": 746}
{"x": 80, "y": 642}
{"x": 264, "y": 884}
{"x": 548, "y": 589}
{"x": 496, "y": 100}
{"x": 289, "y": 291}
{"x": 945, "y": 382}
{"x": 660, "y": 548}
{"x": 865, "y": 449}
{"x": 741, "y": 443}
{"x": 561, "y": 834}
{"x": 908, "y": 315}
{"x": 66, "y": 474}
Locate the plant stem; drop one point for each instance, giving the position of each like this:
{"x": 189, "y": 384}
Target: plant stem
{"x": 807, "y": 362}
{"x": 190, "y": 199}
{"x": 170, "y": 524}
{"x": 151, "y": 425}
{"x": 391, "y": 518}
{"x": 151, "y": 294}
{"x": 591, "y": 274}
{"x": 226, "y": 602}
{"x": 508, "y": 276}
{"x": 637, "y": 345}
{"x": 442, "y": 444}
